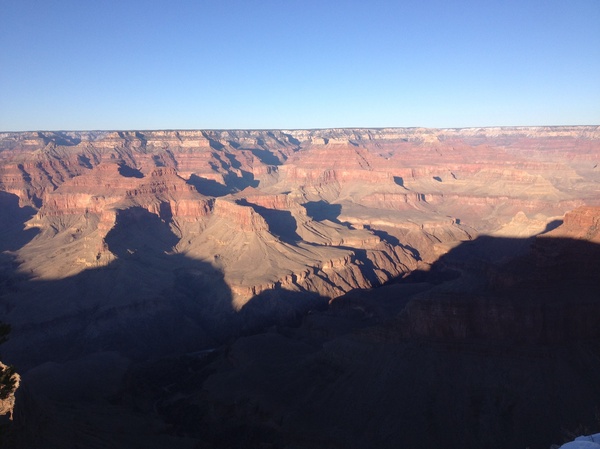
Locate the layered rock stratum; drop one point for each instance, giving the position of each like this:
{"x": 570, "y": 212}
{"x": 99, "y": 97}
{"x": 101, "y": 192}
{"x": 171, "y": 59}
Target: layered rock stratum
{"x": 123, "y": 247}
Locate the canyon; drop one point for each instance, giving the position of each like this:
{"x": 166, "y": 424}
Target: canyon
{"x": 236, "y": 288}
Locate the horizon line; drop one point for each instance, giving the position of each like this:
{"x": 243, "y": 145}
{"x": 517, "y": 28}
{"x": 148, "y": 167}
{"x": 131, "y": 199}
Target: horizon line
{"x": 298, "y": 129}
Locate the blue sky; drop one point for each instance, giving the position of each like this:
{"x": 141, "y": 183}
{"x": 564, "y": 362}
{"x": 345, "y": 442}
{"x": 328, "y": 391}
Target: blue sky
{"x": 182, "y": 64}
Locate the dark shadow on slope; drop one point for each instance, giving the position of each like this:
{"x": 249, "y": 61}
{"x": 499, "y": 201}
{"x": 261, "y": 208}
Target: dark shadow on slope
{"x": 266, "y": 157}
{"x": 233, "y": 161}
{"x": 233, "y": 144}
{"x": 281, "y": 222}
{"x": 436, "y": 275}
{"x": 128, "y": 172}
{"x": 399, "y": 181}
{"x": 368, "y": 268}
{"x": 26, "y": 176}
{"x": 13, "y": 234}
{"x": 165, "y": 212}
{"x": 292, "y": 140}
{"x": 233, "y": 184}
{"x": 321, "y": 210}
{"x": 240, "y": 183}
{"x": 216, "y": 145}
{"x": 280, "y": 307}
{"x": 158, "y": 161}
{"x": 488, "y": 250}
{"x": 552, "y": 225}
{"x": 388, "y": 238}
{"x": 139, "y": 233}
{"x": 85, "y": 161}
{"x": 473, "y": 257}
{"x": 284, "y": 311}
{"x": 209, "y": 187}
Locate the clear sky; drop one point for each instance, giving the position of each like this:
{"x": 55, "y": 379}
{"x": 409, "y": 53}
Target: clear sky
{"x": 184, "y": 64}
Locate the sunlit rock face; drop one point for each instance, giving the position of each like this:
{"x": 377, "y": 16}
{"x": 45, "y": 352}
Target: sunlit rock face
{"x": 143, "y": 244}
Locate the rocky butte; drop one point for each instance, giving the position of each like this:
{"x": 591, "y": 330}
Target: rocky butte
{"x": 266, "y": 288}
